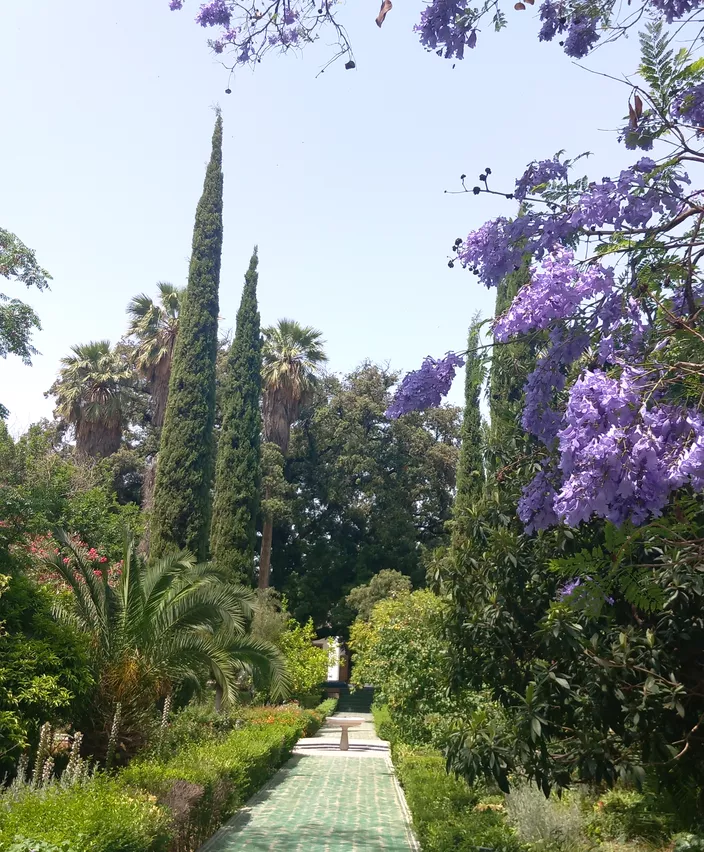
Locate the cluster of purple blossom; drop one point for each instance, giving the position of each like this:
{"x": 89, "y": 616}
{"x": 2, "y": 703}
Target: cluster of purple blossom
{"x": 631, "y": 201}
{"x": 556, "y": 289}
{"x": 618, "y": 459}
{"x": 537, "y": 174}
{"x": 540, "y": 417}
{"x": 688, "y": 107}
{"x": 581, "y": 28}
{"x": 426, "y": 387}
{"x": 446, "y": 27}
{"x": 568, "y": 589}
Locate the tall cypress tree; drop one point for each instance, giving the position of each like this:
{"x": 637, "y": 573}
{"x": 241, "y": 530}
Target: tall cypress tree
{"x": 470, "y": 465}
{"x": 510, "y": 362}
{"x": 182, "y": 496}
{"x": 238, "y": 469}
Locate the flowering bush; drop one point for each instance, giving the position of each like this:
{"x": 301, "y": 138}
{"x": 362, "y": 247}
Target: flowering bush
{"x": 41, "y": 550}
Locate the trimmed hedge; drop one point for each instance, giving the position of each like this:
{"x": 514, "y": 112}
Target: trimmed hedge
{"x": 155, "y": 804}
{"x": 447, "y": 813}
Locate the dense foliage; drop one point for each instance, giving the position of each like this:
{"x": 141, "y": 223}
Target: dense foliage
{"x": 17, "y": 319}
{"x": 401, "y": 649}
{"x": 238, "y": 470}
{"x": 44, "y": 672}
{"x": 368, "y": 495}
{"x": 181, "y": 516}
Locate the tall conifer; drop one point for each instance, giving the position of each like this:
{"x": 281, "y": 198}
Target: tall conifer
{"x": 238, "y": 469}
{"x": 470, "y": 465}
{"x": 182, "y": 495}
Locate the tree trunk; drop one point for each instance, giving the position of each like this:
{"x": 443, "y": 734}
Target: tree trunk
{"x": 265, "y": 557}
{"x": 147, "y": 503}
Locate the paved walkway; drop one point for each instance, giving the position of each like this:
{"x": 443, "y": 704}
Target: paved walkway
{"x": 325, "y": 800}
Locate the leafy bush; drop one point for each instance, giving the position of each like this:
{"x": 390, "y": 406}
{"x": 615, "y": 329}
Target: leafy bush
{"x": 402, "y": 650}
{"x": 99, "y": 816}
{"x": 43, "y": 667}
{"x": 384, "y": 723}
{"x": 448, "y": 814}
{"x": 628, "y": 815}
{"x": 306, "y": 663}
{"x": 555, "y": 823}
{"x": 205, "y": 782}
{"x": 688, "y": 843}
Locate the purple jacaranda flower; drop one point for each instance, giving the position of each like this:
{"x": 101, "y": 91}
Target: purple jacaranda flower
{"x": 581, "y": 36}
{"x": 425, "y": 388}
{"x": 537, "y": 173}
{"x": 214, "y": 14}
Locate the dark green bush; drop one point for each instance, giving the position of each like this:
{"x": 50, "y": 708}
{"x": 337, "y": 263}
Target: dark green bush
{"x": 448, "y": 814}
{"x": 99, "y": 816}
{"x": 327, "y": 708}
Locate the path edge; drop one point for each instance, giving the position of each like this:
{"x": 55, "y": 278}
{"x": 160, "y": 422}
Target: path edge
{"x": 413, "y": 841}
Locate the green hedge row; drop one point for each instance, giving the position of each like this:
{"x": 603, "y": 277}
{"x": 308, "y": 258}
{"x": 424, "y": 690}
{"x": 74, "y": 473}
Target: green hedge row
{"x": 160, "y": 804}
{"x": 447, "y": 813}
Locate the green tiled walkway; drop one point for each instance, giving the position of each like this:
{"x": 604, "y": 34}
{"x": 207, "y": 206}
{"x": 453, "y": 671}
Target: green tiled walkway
{"x": 329, "y": 802}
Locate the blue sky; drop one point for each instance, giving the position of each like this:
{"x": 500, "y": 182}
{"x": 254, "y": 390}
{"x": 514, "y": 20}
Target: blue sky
{"x": 338, "y": 178}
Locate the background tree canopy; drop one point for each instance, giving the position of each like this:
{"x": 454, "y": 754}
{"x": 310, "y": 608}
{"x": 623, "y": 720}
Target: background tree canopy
{"x": 368, "y": 494}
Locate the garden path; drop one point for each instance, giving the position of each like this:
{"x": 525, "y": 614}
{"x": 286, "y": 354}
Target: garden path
{"x": 325, "y": 800}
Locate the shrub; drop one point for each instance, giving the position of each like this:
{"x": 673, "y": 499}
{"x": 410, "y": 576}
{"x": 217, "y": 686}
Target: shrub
{"x": 448, "y": 814}
{"x": 384, "y": 723}
{"x": 403, "y": 652}
{"x": 101, "y": 815}
{"x": 306, "y": 663}
{"x": 205, "y": 782}
{"x": 688, "y": 843}
{"x": 557, "y": 824}
{"x": 628, "y": 815}
{"x": 43, "y": 667}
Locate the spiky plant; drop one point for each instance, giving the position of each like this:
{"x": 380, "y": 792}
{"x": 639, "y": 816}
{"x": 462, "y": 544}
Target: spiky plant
{"x": 162, "y": 626}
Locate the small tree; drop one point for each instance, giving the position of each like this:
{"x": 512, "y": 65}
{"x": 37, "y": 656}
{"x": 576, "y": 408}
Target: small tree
{"x": 383, "y": 586}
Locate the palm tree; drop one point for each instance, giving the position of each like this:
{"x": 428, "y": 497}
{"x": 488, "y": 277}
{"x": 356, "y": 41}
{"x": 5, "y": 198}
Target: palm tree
{"x": 160, "y": 627}
{"x": 91, "y": 393}
{"x": 155, "y": 325}
{"x": 291, "y": 360}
